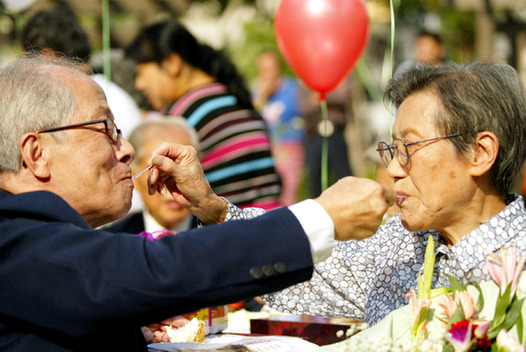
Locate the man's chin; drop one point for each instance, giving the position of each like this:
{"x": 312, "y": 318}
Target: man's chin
{"x": 125, "y": 210}
{"x": 413, "y": 226}
{"x": 120, "y": 214}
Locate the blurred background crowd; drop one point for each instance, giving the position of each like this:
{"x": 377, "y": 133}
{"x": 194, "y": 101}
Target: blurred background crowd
{"x": 425, "y": 31}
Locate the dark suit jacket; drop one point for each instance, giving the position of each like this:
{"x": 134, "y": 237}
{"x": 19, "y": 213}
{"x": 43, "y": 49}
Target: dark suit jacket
{"x": 67, "y": 287}
{"x": 134, "y": 223}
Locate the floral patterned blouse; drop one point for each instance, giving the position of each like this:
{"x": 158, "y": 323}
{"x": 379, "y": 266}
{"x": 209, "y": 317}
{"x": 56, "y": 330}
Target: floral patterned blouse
{"x": 367, "y": 279}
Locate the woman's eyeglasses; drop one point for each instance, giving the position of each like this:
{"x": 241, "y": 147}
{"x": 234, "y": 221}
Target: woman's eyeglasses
{"x": 399, "y": 149}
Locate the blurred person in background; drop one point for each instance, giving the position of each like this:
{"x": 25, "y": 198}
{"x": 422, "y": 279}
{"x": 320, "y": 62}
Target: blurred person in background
{"x": 123, "y": 74}
{"x": 340, "y": 112}
{"x": 429, "y": 50}
{"x": 58, "y": 32}
{"x": 160, "y": 212}
{"x": 277, "y": 98}
{"x": 182, "y": 77}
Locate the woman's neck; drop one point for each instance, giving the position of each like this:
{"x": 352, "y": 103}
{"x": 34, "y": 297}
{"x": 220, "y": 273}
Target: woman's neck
{"x": 476, "y": 214}
{"x": 192, "y": 78}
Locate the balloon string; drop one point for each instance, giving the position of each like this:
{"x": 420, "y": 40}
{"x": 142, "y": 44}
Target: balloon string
{"x": 106, "y": 39}
{"x": 324, "y": 144}
{"x": 392, "y": 6}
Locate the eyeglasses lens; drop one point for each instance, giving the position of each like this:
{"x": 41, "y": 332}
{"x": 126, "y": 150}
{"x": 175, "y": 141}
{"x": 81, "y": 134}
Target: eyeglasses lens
{"x": 112, "y": 130}
{"x": 385, "y": 153}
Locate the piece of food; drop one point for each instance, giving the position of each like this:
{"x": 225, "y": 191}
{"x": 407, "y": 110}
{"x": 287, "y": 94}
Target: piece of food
{"x": 194, "y": 331}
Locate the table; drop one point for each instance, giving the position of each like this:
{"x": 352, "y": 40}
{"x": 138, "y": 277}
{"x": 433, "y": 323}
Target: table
{"x": 271, "y": 331}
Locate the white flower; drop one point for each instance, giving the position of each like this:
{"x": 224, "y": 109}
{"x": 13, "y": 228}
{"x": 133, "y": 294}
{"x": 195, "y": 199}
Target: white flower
{"x": 431, "y": 346}
{"x": 508, "y": 343}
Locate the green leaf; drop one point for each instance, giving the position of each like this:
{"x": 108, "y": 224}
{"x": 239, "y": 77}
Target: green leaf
{"x": 421, "y": 288}
{"x": 455, "y": 284}
{"x": 447, "y": 347}
{"x": 429, "y": 265}
{"x": 435, "y": 292}
{"x": 458, "y": 315}
{"x": 441, "y": 320}
{"x": 480, "y": 300}
{"x": 513, "y": 314}
{"x": 503, "y": 301}
{"x": 520, "y": 328}
{"x": 505, "y": 316}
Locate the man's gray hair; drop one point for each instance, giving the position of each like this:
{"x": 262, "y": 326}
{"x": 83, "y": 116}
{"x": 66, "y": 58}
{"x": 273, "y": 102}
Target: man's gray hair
{"x": 136, "y": 137}
{"x": 33, "y": 98}
{"x": 474, "y": 98}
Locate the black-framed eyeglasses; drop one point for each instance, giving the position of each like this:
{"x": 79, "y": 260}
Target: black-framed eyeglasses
{"x": 111, "y": 129}
{"x": 388, "y": 151}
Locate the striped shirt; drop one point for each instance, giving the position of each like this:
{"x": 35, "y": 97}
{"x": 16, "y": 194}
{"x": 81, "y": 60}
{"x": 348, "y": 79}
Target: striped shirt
{"x": 235, "y": 146}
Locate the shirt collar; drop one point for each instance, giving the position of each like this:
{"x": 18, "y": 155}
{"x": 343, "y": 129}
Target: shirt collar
{"x": 151, "y": 225}
{"x": 502, "y": 228}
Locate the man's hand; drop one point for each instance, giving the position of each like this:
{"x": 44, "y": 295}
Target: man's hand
{"x": 356, "y": 206}
{"x": 177, "y": 173}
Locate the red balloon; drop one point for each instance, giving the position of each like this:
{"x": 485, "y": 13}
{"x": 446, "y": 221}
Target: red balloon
{"x": 322, "y": 39}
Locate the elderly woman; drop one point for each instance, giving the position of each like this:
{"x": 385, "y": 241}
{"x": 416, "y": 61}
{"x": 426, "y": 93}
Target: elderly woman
{"x": 457, "y": 148}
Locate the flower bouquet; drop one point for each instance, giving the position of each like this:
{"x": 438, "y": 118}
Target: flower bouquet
{"x": 485, "y": 316}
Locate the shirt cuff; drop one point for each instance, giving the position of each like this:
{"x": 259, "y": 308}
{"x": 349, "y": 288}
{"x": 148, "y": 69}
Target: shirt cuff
{"x": 318, "y": 226}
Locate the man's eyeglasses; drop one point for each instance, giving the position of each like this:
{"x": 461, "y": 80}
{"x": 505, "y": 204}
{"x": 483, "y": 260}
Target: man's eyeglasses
{"x": 111, "y": 129}
{"x": 388, "y": 151}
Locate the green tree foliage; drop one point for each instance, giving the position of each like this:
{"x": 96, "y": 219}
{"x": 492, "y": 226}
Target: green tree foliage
{"x": 259, "y": 37}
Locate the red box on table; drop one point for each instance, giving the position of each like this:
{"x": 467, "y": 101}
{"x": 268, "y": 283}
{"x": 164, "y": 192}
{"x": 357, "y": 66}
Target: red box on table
{"x": 318, "y": 330}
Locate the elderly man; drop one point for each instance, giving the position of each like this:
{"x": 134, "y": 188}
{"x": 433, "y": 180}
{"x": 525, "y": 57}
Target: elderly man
{"x": 64, "y": 170}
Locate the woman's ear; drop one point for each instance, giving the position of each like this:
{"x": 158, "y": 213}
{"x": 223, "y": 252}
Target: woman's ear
{"x": 34, "y": 155}
{"x": 485, "y": 151}
{"x": 173, "y": 64}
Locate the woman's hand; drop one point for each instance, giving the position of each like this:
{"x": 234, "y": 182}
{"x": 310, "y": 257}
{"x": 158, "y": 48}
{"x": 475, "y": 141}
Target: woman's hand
{"x": 156, "y": 332}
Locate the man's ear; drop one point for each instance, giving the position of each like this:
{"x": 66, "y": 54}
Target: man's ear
{"x": 485, "y": 151}
{"x": 34, "y": 156}
{"x": 173, "y": 64}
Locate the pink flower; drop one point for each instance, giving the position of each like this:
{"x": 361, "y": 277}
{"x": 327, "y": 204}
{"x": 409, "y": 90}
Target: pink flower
{"x": 449, "y": 305}
{"x": 468, "y": 304}
{"x": 482, "y": 329}
{"x": 459, "y": 336}
{"x": 419, "y": 309}
{"x": 463, "y": 299}
{"x": 504, "y": 269}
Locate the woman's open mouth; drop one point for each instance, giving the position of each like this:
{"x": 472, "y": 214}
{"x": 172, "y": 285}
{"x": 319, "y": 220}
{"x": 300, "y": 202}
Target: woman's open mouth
{"x": 400, "y": 198}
